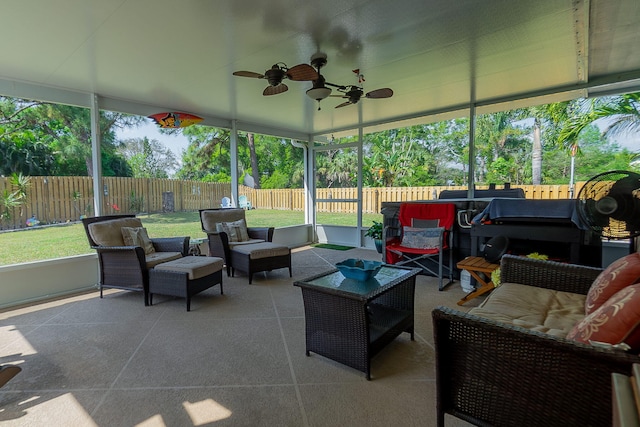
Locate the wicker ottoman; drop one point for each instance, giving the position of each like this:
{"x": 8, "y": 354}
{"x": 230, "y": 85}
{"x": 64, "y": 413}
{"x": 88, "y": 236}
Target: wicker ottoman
{"x": 258, "y": 257}
{"x": 185, "y": 277}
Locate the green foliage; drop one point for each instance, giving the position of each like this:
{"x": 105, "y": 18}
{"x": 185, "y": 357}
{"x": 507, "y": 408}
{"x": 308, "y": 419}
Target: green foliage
{"x": 136, "y": 203}
{"x": 54, "y": 139}
{"x": 278, "y": 179}
{"x": 375, "y": 231}
{"x": 207, "y": 154}
{"x": 14, "y": 197}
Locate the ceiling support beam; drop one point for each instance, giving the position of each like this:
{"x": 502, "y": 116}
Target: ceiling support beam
{"x": 581, "y": 33}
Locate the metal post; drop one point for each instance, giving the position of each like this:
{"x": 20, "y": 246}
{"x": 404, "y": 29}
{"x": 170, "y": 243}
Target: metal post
{"x": 574, "y": 150}
{"x": 234, "y": 163}
{"x": 472, "y": 151}
{"x": 98, "y": 197}
{"x": 359, "y": 194}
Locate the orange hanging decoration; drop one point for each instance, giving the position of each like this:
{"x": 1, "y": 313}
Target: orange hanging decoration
{"x": 175, "y": 119}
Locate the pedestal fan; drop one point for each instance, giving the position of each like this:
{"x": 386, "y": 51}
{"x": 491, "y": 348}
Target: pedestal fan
{"x": 609, "y": 204}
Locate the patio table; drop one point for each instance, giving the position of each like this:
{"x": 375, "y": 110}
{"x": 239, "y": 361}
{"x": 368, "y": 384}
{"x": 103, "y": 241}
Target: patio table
{"x": 350, "y": 321}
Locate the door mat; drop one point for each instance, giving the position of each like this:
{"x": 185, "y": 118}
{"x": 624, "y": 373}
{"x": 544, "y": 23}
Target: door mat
{"x": 334, "y": 247}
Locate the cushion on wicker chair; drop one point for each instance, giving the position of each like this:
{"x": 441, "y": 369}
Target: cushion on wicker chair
{"x": 137, "y": 236}
{"x": 620, "y": 274}
{"x": 211, "y": 218}
{"x": 156, "y": 258}
{"x": 248, "y": 242}
{"x": 195, "y": 266}
{"x": 616, "y": 321}
{"x": 107, "y": 233}
{"x": 262, "y": 250}
{"x": 236, "y": 230}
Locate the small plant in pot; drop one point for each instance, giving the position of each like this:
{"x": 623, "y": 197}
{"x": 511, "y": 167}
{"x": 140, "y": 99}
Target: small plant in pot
{"x": 375, "y": 232}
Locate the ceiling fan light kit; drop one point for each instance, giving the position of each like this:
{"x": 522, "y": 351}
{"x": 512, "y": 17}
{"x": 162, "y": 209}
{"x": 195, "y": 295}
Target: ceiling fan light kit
{"x": 318, "y": 93}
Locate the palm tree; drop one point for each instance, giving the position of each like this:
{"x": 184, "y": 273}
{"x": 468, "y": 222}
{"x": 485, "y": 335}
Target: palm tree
{"x": 622, "y": 110}
{"x": 551, "y": 118}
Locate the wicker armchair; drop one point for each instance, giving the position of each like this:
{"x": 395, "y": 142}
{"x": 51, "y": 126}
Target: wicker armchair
{"x": 219, "y": 245}
{"x": 127, "y": 267}
{"x": 493, "y": 373}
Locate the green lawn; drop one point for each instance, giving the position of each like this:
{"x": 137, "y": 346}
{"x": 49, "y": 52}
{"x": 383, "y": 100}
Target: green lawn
{"x": 69, "y": 239}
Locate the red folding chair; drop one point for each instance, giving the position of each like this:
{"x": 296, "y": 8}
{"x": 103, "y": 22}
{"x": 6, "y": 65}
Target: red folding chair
{"x": 425, "y": 235}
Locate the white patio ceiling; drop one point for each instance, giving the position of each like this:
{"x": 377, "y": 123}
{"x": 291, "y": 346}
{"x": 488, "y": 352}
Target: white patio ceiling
{"x": 438, "y": 56}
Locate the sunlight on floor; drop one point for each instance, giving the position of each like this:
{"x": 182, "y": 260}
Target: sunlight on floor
{"x": 155, "y": 421}
{"x": 206, "y": 411}
{"x": 63, "y": 410}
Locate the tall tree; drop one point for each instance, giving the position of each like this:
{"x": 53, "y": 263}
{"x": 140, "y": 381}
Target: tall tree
{"x": 76, "y": 138}
{"x": 255, "y": 173}
{"x": 207, "y": 157}
{"x": 548, "y": 119}
{"x": 148, "y": 158}
{"x": 499, "y": 146}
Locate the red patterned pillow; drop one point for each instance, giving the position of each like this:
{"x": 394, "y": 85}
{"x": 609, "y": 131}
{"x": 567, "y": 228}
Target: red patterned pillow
{"x": 616, "y": 321}
{"x": 620, "y": 274}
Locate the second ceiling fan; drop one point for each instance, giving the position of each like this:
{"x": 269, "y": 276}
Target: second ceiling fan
{"x": 353, "y": 93}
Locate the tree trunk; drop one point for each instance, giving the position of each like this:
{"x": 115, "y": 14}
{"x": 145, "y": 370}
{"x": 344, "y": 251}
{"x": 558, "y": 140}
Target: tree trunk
{"x": 89, "y": 163}
{"x": 536, "y": 155}
{"x": 254, "y": 161}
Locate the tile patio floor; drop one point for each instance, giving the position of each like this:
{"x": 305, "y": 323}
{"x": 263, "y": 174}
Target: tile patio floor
{"x": 236, "y": 359}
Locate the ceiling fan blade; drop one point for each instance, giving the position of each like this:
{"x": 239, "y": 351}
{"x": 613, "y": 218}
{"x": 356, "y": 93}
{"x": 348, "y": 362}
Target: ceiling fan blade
{"x": 274, "y": 90}
{"x": 344, "y": 104}
{"x": 248, "y": 74}
{"x": 302, "y": 72}
{"x": 380, "y": 93}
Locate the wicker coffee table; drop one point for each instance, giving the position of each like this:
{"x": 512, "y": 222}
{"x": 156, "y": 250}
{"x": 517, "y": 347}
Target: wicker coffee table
{"x": 350, "y": 321}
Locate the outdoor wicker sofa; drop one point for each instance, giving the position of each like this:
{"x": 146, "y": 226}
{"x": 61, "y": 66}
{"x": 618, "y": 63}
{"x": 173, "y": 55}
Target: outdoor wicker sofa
{"x": 127, "y": 267}
{"x": 493, "y": 372}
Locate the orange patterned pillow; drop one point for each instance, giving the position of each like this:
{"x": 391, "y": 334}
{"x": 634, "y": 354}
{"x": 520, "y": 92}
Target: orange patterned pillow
{"x": 616, "y": 321}
{"x": 620, "y": 274}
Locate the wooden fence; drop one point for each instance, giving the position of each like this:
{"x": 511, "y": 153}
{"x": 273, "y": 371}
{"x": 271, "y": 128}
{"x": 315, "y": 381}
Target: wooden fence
{"x": 60, "y": 199}
{"x": 372, "y": 198}
{"x": 63, "y": 199}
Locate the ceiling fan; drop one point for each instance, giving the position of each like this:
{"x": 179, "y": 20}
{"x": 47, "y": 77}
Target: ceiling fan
{"x": 353, "y": 94}
{"x": 279, "y": 72}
